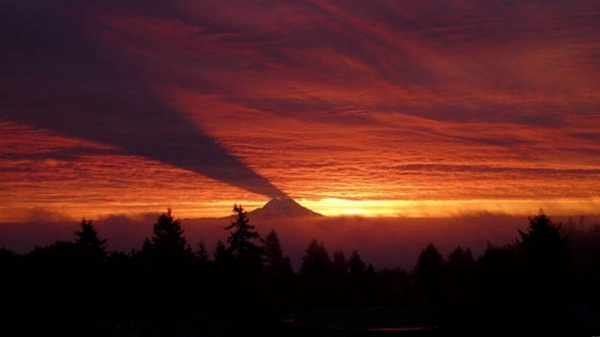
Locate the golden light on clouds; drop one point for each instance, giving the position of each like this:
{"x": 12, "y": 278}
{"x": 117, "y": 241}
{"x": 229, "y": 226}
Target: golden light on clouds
{"x": 375, "y": 109}
{"x": 450, "y": 208}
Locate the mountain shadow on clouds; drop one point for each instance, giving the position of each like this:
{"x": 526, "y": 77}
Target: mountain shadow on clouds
{"x": 52, "y": 76}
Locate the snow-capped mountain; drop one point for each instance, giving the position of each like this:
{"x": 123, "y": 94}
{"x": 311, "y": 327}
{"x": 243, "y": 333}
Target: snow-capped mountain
{"x": 283, "y": 207}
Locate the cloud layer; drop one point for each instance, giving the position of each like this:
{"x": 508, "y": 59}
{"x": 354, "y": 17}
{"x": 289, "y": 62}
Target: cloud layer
{"x": 109, "y": 104}
{"x": 56, "y": 78}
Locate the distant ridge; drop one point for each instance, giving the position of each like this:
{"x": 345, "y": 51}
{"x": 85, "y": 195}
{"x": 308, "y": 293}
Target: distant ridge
{"x": 283, "y": 207}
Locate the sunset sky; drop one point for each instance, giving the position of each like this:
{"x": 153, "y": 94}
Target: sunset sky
{"x": 371, "y": 108}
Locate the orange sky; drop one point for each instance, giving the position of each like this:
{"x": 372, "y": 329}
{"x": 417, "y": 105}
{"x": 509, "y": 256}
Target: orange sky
{"x": 375, "y": 108}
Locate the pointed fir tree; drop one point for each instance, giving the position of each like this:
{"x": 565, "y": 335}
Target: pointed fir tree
{"x": 276, "y": 264}
{"x": 202, "y": 254}
{"x": 543, "y": 244}
{"x": 316, "y": 264}
{"x": 224, "y": 263}
{"x": 202, "y": 258}
{"x": 340, "y": 265}
{"x": 430, "y": 264}
{"x": 357, "y": 267}
{"x": 430, "y": 271}
{"x": 90, "y": 246}
{"x": 167, "y": 241}
{"x": 544, "y": 253}
{"x": 274, "y": 259}
{"x": 222, "y": 255}
{"x": 460, "y": 263}
{"x": 244, "y": 240}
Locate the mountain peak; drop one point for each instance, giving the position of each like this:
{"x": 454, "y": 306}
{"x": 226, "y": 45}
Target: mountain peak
{"x": 283, "y": 207}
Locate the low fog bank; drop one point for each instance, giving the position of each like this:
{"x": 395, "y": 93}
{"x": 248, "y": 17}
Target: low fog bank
{"x": 385, "y": 242}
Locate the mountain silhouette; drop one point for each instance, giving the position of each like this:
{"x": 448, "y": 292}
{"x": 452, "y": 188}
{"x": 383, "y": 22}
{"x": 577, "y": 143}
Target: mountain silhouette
{"x": 283, "y": 207}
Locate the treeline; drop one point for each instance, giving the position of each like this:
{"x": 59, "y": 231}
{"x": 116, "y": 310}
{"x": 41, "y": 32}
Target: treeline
{"x": 78, "y": 288}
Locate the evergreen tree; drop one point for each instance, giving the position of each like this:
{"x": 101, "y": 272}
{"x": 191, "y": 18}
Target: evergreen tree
{"x": 273, "y": 252}
{"x": 202, "y": 254}
{"x": 370, "y": 272}
{"x": 276, "y": 263}
{"x": 167, "y": 241}
{"x": 223, "y": 261}
{"x": 242, "y": 241}
{"x": 315, "y": 263}
{"x": 460, "y": 287}
{"x": 221, "y": 252}
{"x": 498, "y": 269}
{"x": 430, "y": 263}
{"x": 222, "y": 256}
{"x": 545, "y": 252}
{"x": 279, "y": 274}
{"x": 89, "y": 244}
{"x": 430, "y": 271}
{"x": 316, "y": 283}
{"x": 360, "y": 276}
{"x": 460, "y": 263}
{"x": 543, "y": 245}
{"x": 357, "y": 266}
{"x": 203, "y": 261}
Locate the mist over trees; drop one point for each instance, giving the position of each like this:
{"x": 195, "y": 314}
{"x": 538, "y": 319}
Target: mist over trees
{"x": 546, "y": 281}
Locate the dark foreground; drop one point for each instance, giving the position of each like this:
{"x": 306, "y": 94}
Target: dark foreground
{"x": 545, "y": 283}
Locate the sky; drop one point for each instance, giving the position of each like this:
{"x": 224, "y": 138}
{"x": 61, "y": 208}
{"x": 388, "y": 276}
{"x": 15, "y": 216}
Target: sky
{"x": 371, "y": 108}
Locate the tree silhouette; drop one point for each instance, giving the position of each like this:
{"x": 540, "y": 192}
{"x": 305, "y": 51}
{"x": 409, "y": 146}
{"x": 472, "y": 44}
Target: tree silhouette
{"x": 273, "y": 252}
{"x": 316, "y": 276}
{"x": 242, "y": 240}
{"x": 202, "y": 259}
{"x": 223, "y": 260}
{"x": 460, "y": 264}
{"x": 316, "y": 264}
{"x": 460, "y": 286}
{"x": 225, "y": 273}
{"x": 277, "y": 265}
{"x": 55, "y": 290}
{"x": 359, "y": 277}
{"x": 167, "y": 241}
{"x": 91, "y": 247}
{"x": 279, "y": 274}
{"x": 221, "y": 252}
{"x": 545, "y": 252}
{"x": 357, "y": 267}
{"x": 543, "y": 244}
{"x": 498, "y": 269}
{"x": 202, "y": 253}
{"x": 340, "y": 265}
{"x": 430, "y": 271}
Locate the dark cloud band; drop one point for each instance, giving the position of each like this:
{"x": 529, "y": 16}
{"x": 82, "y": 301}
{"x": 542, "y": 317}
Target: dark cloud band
{"x": 54, "y": 78}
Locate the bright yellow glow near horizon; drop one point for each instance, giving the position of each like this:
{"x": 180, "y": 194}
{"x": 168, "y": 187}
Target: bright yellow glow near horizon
{"x": 332, "y": 207}
{"x": 449, "y": 208}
